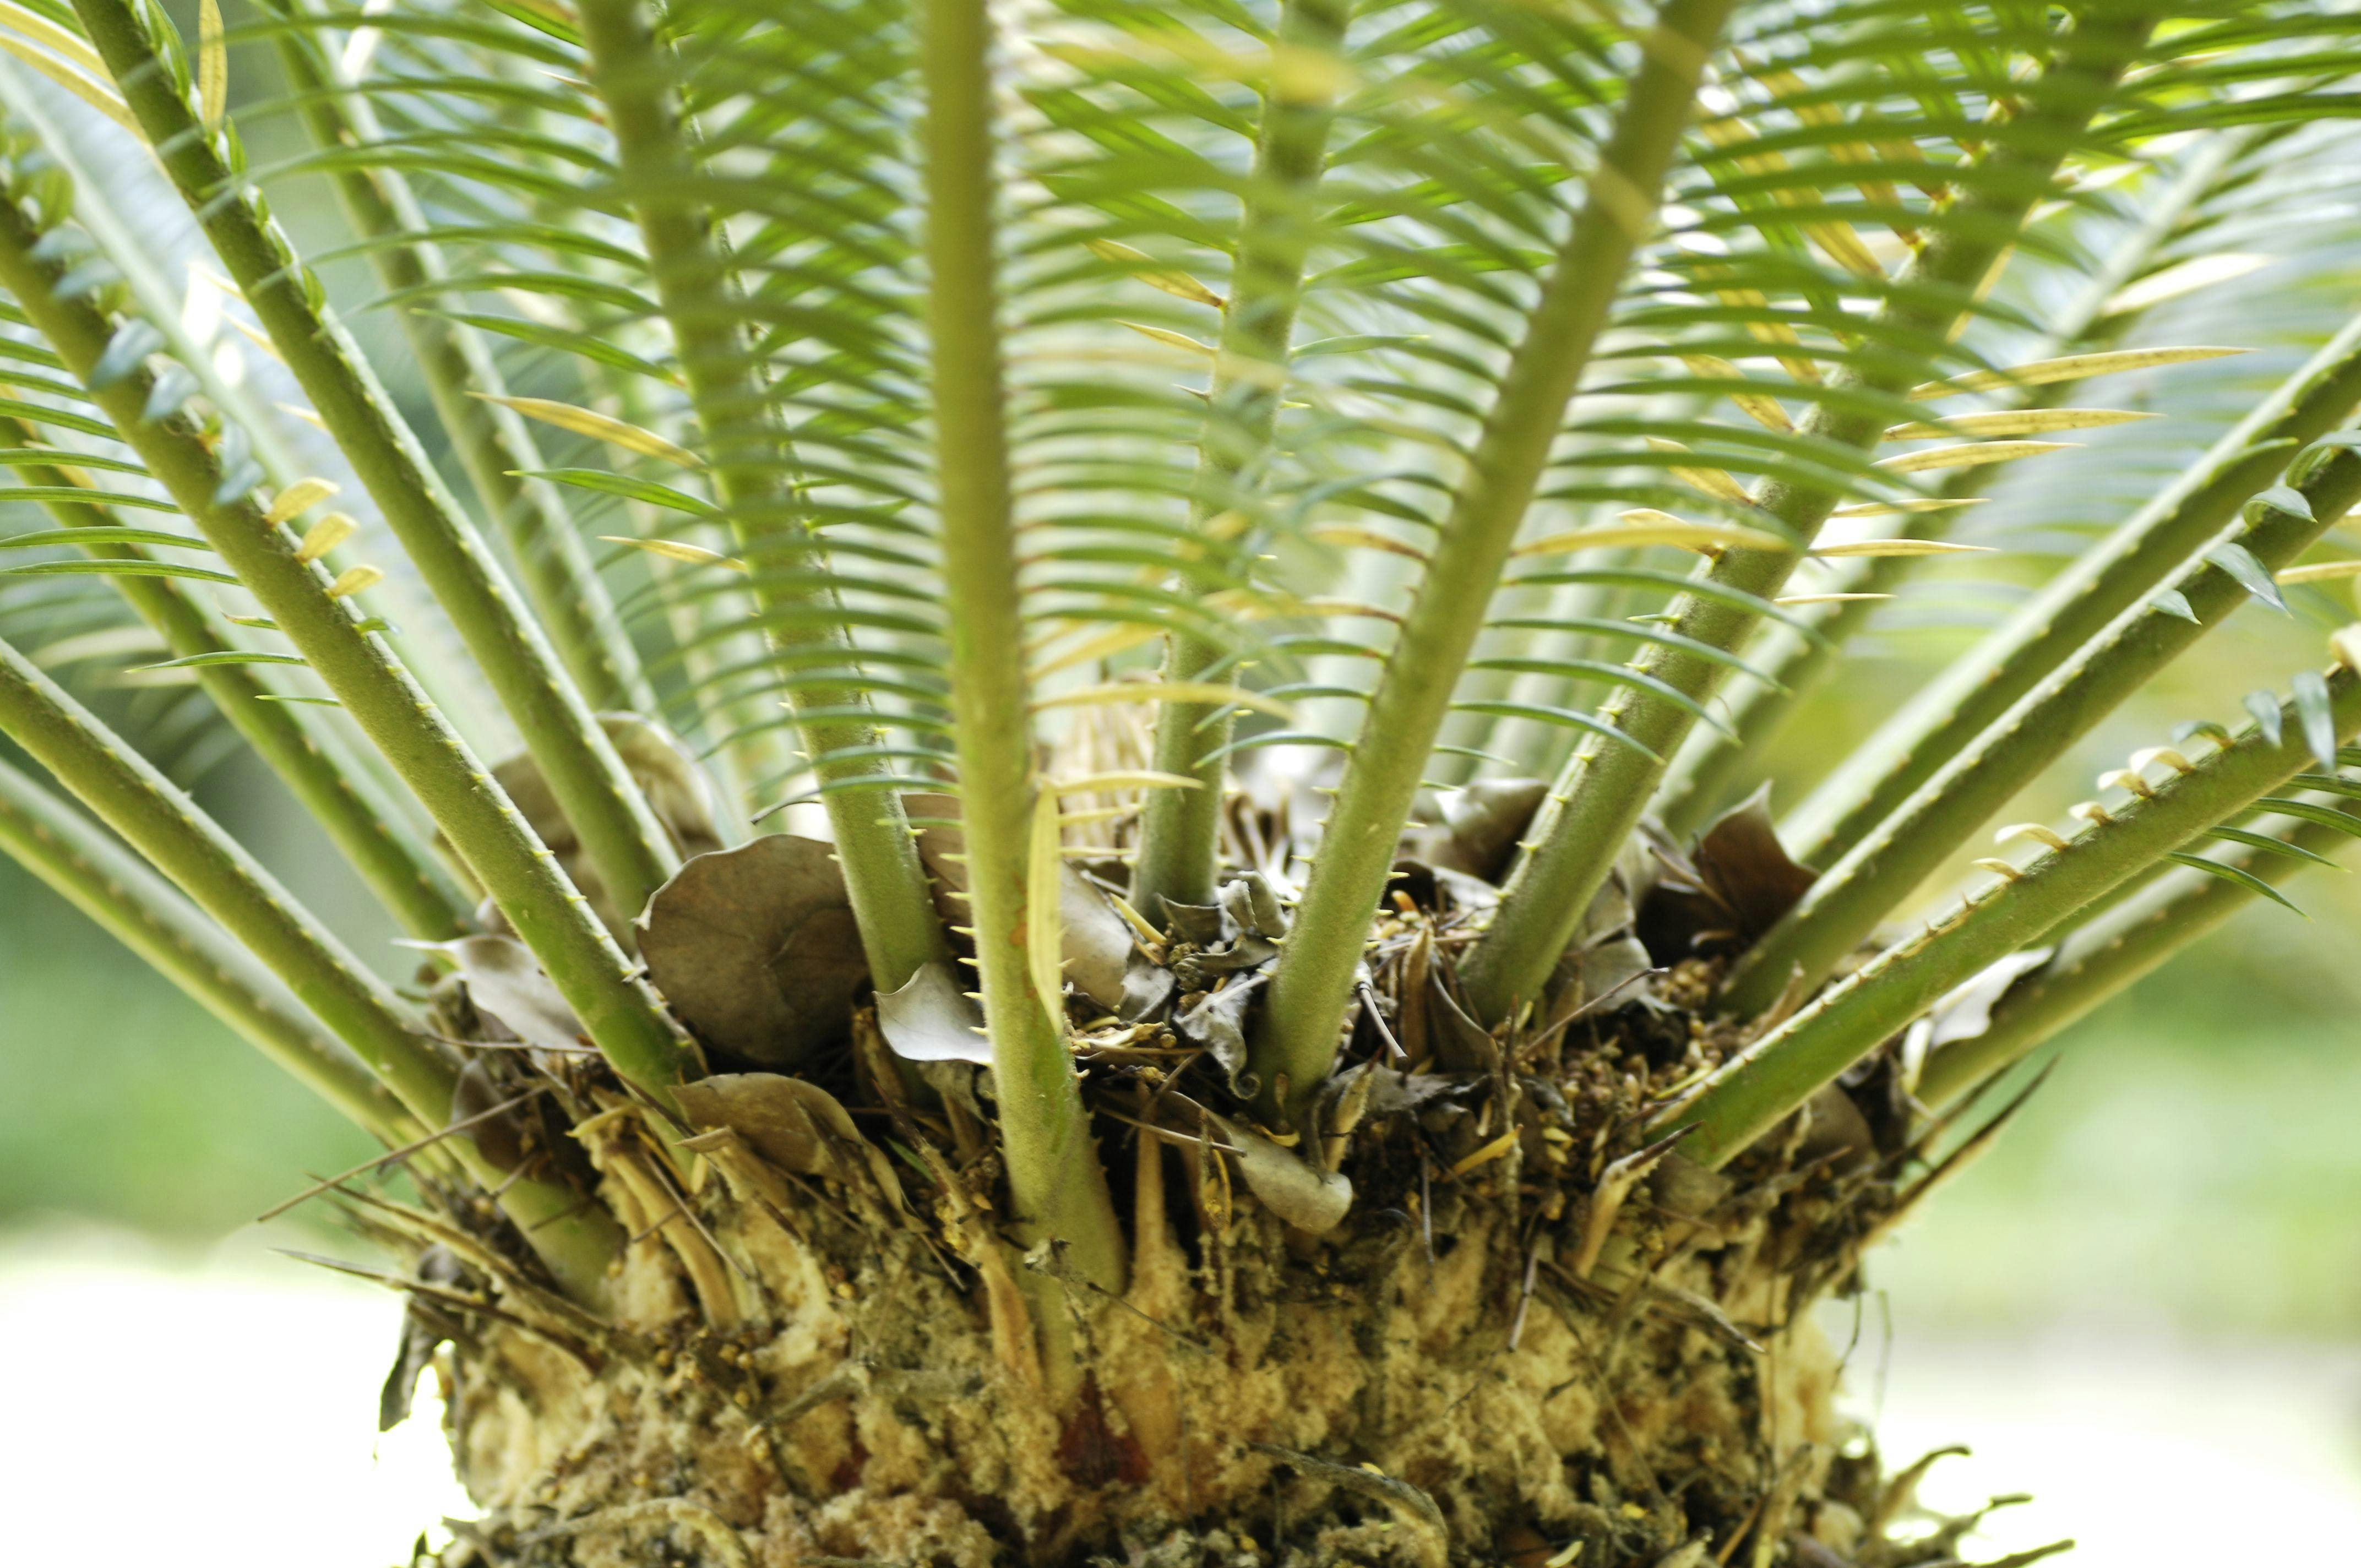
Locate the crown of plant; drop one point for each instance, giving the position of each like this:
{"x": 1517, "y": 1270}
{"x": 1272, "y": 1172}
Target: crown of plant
{"x": 1278, "y": 537}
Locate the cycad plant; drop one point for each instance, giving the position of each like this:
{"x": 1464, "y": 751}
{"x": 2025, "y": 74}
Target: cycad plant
{"x": 1262, "y": 549}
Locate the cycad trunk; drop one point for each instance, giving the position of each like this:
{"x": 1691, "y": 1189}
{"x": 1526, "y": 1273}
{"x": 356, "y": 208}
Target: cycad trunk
{"x": 1532, "y": 1340}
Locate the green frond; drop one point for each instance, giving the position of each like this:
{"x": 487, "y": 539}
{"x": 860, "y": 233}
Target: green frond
{"x": 1235, "y": 405}
{"x": 372, "y": 832}
{"x": 1604, "y": 788}
{"x": 1888, "y": 863}
{"x": 618, "y": 832}
{"x": 1761, "y": 1085}
{"x": 314, "y": 610}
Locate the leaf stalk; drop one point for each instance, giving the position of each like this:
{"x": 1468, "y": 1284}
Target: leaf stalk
{"x": 264, "y": 920}
{"x": 632, "y": 71}
{"x": 1181, "y": 829}
{"x": 1297, "y": 1040}
{"x": 618, "y": 832}
{"x": 2108, "y": 955}
{"x": 550, "y": 915}
{"x": 1901, "y": 852}
{"x": 1054, "y": 1175}
{"x": 1754, "y": 1090}
{"x": 1599, "y": 796}
{"x": 1947, "y": 713}
{"x": 114, "y": 888}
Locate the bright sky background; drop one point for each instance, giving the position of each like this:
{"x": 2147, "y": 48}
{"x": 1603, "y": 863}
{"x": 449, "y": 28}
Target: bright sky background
{"x": 218, "y": 1411}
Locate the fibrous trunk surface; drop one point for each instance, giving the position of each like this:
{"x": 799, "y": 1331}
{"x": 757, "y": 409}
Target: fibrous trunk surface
{"x": 1534, "y": 1337}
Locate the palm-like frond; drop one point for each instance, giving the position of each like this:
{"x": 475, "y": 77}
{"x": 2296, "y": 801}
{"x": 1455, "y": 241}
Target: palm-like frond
{"x": 891, "y": 392}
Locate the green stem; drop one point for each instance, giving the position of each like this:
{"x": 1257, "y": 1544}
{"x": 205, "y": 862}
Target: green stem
{"x": 95, "y": 874}
{"x": 619, "y": 834}
{"x": 1949, "y": 712}
{"x": 1605, "y": 786}
{"x": 2108, "y": 955}
{"x": 492, "y": 440}
{"x": 547, "y": 912}
{"x": 1181, "y": 829}
{"x": 1705, "y": 775}
{"x": 1950, "y": 808}
{"x": 1754, "y": 1090}
{"x": 1296, "y": 1040}
{"x": 633, "y": 73}
{"x": 264, "y": 919}
{"x": 398, "y": 868}
{"x": 99, "y": 208}
{"x": 1054, "y": 1174}
{"x": 164, "y": 826}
